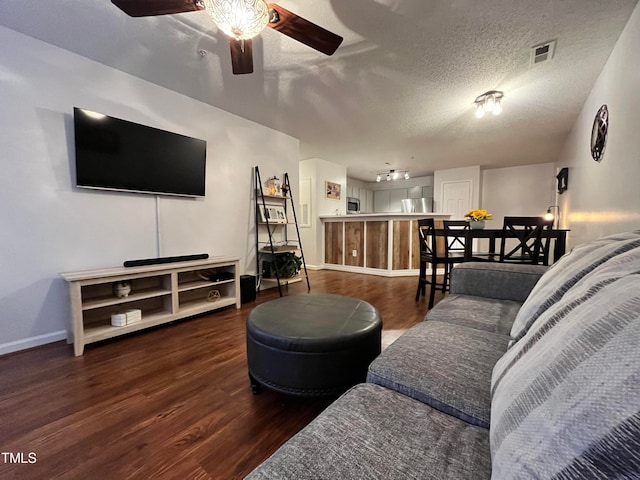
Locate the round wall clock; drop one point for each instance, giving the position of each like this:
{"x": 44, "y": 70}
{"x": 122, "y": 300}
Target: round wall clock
{"x": 599, "y": 133}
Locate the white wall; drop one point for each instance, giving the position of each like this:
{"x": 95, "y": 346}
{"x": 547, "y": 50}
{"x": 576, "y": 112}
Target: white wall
{"x": 49, "y": 226}
{"x": 321, "y": 171}
{"x": 518, "y": 191}
{"x": 604, "y": 198}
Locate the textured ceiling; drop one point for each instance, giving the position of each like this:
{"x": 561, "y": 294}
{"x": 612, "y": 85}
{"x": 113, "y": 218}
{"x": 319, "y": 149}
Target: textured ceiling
{"x": 399, "y": 90}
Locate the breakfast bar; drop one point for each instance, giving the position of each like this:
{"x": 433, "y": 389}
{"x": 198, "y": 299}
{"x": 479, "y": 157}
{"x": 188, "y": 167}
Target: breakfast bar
{"x": 375, "y": 243}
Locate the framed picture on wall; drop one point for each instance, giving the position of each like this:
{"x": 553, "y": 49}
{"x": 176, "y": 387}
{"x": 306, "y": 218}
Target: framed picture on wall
{"x": 333, "y": 190}
{"x": 563, "y": 180}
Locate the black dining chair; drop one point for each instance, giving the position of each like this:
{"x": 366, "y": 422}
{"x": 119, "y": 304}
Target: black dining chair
{"x": 437, "y": 248}
{"x": 456, "y": 242}
{"x": 529, "y": 247}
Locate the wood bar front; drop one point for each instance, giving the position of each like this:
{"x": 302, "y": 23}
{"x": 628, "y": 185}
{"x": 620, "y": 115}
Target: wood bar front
{"x": 379, "y": 244}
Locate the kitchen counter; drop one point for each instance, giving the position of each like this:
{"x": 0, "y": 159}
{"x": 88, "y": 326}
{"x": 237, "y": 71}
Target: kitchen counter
{"x": 374, "y": 243}
{"x": 386, "y": 216}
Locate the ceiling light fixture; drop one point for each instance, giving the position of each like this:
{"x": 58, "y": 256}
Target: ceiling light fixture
{"x": 489, "y": 102}
{"x": 239, "y": 19}
{"x": 392, "y": 174}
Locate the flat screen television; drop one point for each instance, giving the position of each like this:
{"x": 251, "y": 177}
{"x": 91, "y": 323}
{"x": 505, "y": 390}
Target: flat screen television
{"x": 116, "y": 154}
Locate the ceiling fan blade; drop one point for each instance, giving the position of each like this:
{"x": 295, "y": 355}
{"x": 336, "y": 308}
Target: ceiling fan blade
{"x": 303, "y": 30}
{"x": 147, "y": 8}
{"x": 241, "y": 56}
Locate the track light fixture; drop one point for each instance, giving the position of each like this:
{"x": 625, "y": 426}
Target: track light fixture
{"x": 489, "y": 102}
{"x": 392, "y": 175}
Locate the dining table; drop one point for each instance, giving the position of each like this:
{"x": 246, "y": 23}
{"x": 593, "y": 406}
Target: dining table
{"x": 558, "y": 236}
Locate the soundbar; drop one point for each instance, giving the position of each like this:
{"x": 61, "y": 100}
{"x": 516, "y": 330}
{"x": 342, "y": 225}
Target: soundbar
{"x": 154, "y": 261}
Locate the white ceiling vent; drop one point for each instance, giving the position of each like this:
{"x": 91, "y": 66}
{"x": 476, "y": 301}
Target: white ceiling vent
{"x": 542, "y": 53}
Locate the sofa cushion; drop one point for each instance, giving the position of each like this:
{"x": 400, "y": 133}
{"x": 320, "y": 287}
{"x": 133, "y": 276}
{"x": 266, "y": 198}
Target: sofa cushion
{"x": 565, "y": 273}
{"x": 373, "y": 432}
{"x": 488, "y": 314}
{"x": 503, "y": 281}
{"x": 443, "y": 365}
{"x": 566, "y": 397}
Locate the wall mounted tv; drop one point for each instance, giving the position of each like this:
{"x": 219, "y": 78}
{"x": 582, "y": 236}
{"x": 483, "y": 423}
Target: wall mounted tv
{"x": 115, "y": 154}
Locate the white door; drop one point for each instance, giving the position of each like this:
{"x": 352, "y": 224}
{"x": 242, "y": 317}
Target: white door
{"x": 456, "y": 198}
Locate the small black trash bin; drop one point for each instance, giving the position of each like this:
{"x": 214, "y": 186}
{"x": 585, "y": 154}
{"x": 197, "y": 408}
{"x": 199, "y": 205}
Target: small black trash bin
{"x": 247, "y": 288}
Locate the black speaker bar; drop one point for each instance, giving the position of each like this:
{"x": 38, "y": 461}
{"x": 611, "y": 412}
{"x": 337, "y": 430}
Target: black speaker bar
{"x": 154, "y": 261}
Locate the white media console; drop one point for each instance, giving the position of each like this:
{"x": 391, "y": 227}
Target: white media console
{"x": 163, "y": 293}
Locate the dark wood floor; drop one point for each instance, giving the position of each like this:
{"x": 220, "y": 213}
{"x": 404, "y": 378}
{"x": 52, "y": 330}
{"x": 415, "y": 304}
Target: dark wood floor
{"x": 172, "y": 402}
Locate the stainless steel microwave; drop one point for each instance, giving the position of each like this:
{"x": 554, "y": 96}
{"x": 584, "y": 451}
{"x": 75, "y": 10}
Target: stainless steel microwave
{"x": 353, "y": 205}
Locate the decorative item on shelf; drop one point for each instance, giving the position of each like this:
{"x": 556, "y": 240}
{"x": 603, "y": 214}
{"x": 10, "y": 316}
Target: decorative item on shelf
{"x": 134, "y": 316}
{"x": 285, "y": 190}
{"x": 118, "y": 319}
{"x": 122, "y": 289}
{"x": 274, "y": 186}
{"x": 273, "y": 213}
{"x": 477, "y": 218}
{"x": 286, "y": 264}
{"x": 489, "y": 102}
{"x": 213, "y": 296}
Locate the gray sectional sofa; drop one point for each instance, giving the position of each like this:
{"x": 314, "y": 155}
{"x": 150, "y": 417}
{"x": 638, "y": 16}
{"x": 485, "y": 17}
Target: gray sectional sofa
{"x": 521, "y": 372}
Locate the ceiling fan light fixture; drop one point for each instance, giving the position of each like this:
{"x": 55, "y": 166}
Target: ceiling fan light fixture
{"x": 378, "y": 178}
{"x": 239, "y": 19}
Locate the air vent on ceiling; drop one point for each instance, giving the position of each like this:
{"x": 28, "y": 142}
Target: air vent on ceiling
{"x": 542, "y": 53}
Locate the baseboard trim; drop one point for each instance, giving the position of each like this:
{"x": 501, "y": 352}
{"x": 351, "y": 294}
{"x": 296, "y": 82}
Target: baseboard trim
{"x": 378, "y": 271}
{"x": 31, "y": 342}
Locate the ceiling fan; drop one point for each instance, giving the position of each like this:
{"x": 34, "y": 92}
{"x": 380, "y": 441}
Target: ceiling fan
{"x": 241, "y": 20}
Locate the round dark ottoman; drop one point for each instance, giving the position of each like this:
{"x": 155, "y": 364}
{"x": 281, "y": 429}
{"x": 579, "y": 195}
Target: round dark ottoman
{"x": 312, "y": 344}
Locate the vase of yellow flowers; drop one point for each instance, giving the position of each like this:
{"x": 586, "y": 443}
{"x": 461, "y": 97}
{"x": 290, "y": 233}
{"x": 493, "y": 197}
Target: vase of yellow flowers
{"x": 476, "y": 218}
